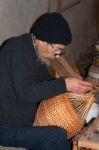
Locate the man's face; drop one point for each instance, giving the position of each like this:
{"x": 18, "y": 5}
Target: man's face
{"x": 57, "y": 50}
{"x": 49, "y": 51}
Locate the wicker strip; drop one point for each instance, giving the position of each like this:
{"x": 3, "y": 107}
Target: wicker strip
{"x": 67, "y": 110}
{"x": 11, "y": 148}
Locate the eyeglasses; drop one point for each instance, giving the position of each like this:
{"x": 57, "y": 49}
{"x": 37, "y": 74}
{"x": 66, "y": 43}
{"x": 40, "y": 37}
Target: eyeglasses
{"x": 57, "y": 51}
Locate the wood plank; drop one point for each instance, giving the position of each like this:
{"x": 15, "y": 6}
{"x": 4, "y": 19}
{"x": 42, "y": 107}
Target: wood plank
{"x": 90, "y": 138}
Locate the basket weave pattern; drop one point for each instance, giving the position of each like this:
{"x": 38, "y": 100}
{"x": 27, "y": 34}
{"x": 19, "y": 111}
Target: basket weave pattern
{"x": 11, "y": 148}
{"x": 61, "y": 111}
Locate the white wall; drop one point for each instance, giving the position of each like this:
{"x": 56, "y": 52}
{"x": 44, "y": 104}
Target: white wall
{"x": 17, "y": 16}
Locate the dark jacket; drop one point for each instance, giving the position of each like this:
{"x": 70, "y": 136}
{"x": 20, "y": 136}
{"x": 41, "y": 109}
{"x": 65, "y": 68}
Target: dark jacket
{"x": 24, "y": 81}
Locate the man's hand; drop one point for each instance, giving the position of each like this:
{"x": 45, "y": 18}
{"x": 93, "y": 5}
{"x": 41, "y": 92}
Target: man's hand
{"x": 77, "y": 86}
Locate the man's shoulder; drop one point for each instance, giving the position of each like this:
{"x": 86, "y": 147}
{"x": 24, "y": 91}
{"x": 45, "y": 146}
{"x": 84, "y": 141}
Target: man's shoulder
{"x": 16, "y": 40}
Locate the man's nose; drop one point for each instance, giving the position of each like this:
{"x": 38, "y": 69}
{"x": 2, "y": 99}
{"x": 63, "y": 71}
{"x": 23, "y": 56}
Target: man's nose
{"x": 57, "y": 52}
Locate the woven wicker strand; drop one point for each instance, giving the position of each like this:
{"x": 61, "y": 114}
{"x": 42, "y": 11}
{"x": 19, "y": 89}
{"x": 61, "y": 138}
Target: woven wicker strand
{"x": 11, "y": 148}
{"x": 67, "y": 110}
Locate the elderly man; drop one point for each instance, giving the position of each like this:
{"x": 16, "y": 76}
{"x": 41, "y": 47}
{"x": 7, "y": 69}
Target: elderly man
{"x": 25, "y": 81}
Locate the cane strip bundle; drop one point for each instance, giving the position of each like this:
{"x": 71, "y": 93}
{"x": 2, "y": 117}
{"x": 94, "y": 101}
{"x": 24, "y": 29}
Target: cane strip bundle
{"x": 67, "y": 110}
{"x": 93, "y": 76}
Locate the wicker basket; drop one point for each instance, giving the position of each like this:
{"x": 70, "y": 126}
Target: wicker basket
{"x": 67, "y": 110}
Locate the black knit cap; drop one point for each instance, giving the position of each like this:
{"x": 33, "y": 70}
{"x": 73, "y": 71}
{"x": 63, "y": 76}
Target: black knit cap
{"x": 53, "y": 28}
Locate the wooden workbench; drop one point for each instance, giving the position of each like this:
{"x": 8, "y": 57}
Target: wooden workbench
{"x": 88, "y": 138}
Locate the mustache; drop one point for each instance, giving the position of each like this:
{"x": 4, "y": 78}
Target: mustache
{"x": 62, "y": 53}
